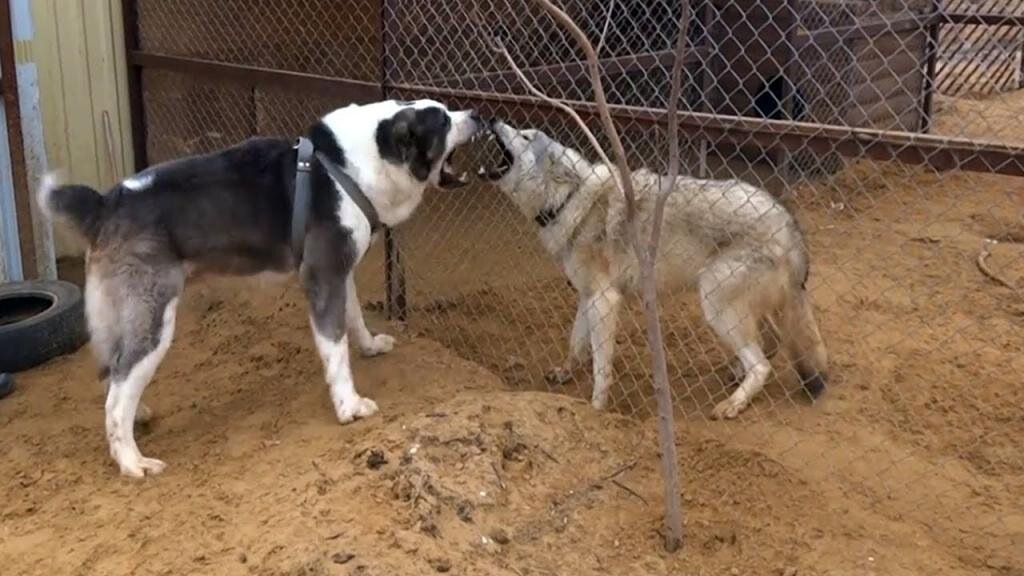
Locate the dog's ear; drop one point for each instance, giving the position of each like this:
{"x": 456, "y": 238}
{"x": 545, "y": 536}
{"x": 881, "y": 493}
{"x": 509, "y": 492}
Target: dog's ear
{"x": 414, "y": 137}
{"x": 399, "y": 140}
{"x": 404, "y": 138}
{"x": 402, "y": 135}
{"x": 396, "y": 137}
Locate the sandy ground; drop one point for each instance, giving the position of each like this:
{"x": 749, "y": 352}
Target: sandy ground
{"x": 910, "y": 465}
{"x": 993, "y": 118}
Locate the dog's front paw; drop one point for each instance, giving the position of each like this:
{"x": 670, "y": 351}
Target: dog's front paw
{"x": 356, "y": 408}
{"x": 379, "y": 344}
{"x": 558, "y": 376}
{"x": 728, "y": 409}
{"x": 142, "y": 467}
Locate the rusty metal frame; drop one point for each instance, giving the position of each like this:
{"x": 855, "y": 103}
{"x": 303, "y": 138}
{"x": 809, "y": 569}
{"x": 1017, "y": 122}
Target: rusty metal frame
{"x": 940, "y": 153}
{"x": 884, "y": 145}
{"x": 354, "y": 90}
{"x": 16, "y": 143}
{"x": 572, "y": 71}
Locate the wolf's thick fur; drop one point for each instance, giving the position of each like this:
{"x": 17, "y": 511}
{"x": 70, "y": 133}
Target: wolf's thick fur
{"x": 732, "y": 242}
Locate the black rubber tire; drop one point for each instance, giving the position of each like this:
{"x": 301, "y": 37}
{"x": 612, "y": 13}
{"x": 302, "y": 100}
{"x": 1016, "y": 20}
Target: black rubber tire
{"x": 39, "y": 320}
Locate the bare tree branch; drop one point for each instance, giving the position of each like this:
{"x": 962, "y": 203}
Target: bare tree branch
{"x": 607, "y": 24}
{"x": 500, "y": 48}
{"x": 622, "y": 176}
{"x": 672, "y": 110}
{"x": 655, "y": 339}
{"x": 625, "y": 183}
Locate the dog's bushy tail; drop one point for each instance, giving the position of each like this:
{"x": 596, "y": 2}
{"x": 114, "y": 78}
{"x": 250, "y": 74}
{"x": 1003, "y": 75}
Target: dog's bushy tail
{"x": 81, "y": 206}
{"x": 803, "y": 341}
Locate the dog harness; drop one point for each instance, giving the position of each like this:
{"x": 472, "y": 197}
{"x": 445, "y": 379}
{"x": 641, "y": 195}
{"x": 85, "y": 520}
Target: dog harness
{"x": 549, "y": 215}
{"x": 304, "y": 192}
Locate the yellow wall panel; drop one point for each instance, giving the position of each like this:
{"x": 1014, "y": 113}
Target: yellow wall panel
{"x": 79, "y": 51}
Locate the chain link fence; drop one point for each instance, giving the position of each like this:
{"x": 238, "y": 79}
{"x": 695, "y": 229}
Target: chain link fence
{"x": 890, "y": 130}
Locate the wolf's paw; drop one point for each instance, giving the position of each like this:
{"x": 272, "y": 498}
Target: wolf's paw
{"x": 380, "y": 344}
{"x": 729, "y": 408}
{"x": 558, "y": 376}
{"x": 355, "y": 409}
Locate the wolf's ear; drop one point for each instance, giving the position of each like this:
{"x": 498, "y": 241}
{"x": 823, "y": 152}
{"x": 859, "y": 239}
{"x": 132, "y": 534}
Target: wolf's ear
{"x": 566, "y": 166}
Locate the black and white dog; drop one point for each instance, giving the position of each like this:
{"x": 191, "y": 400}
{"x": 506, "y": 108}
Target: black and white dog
{"x": 231, "y": 212}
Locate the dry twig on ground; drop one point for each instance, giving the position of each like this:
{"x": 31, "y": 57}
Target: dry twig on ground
{"x": 982, "y": 262}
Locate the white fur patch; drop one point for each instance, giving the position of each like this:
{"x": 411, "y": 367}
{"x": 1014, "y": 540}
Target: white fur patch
{"x": 369, "y": 344}
{"x": 757, "y": 369}
{"x": 47, "y": 184}
{"x": 348, "y": 405}
{"x": 139, "y": 182}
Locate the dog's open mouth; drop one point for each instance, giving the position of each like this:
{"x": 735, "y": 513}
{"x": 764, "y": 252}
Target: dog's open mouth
{"x": 448, "y": 179}
{"x": 503, "y": 164}
{"x": 453, "y": 174}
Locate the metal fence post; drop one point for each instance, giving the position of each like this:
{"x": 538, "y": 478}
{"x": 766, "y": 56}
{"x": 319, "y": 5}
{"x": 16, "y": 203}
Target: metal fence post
{"x": 394, "y": 272}
{"x": 12, "y": 109}
{"x": 130, "y": 16}
{"x": 931, "y": 57}
{"x": 394, "y": 278}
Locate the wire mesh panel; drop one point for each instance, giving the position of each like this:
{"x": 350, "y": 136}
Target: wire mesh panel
{"x": 837, "y": 194}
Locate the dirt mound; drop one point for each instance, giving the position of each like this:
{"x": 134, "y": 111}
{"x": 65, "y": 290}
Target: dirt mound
{"x": 457, "y": 474}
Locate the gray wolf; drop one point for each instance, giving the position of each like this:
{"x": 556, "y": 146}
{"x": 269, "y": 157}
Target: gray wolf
{"x": 738, "y": 247}
{"x": 229, "y": 212}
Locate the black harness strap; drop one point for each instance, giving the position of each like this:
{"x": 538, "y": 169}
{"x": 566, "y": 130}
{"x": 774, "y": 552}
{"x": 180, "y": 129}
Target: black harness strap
{"x": 304, "y": 193}
{"x": 549, "y": 215}
{"x": 352, "y": 190}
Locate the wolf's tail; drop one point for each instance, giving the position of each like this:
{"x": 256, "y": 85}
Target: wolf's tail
{"x": 803, "y": 341}
{"x": 800, "y": 335}
{"x": 81, "y": 206}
